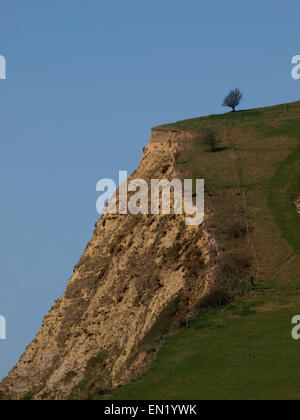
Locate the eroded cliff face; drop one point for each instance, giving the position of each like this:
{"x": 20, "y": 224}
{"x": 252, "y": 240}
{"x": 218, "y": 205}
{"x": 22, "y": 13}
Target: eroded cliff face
{"x": 139, "y": 277}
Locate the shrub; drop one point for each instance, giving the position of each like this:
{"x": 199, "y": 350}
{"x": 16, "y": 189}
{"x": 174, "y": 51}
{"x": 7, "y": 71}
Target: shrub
{"x": 210, "y": 140}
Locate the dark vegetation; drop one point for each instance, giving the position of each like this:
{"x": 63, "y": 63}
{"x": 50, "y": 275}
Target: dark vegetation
{"x": 210, "y": 140}
{"x": 96, "y": 378}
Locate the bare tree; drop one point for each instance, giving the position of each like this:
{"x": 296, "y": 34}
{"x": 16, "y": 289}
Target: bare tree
{"x": 210, "y": 140}
{"x": 233, "y": 99}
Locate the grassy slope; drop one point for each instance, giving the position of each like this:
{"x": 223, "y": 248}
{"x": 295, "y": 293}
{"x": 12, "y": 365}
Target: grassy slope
{"x": 244, "y": 350}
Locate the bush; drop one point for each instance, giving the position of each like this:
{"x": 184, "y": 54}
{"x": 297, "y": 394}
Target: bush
{"x": 210, "y": 140}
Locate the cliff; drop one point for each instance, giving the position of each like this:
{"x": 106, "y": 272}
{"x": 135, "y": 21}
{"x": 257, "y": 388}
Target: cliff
{"x": 139, "y": 278}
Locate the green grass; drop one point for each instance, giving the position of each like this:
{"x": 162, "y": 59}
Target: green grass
{"x": 225, "y": 356}
{"x": 285, "y": 190}
{"x": 243, "y": 350}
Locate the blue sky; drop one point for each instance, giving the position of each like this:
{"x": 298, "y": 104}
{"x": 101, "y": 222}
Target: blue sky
{"x": 86, "y": 80}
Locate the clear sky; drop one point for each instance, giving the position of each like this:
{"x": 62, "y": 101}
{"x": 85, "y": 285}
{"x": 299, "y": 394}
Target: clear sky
{"x": 86, "y": 80}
